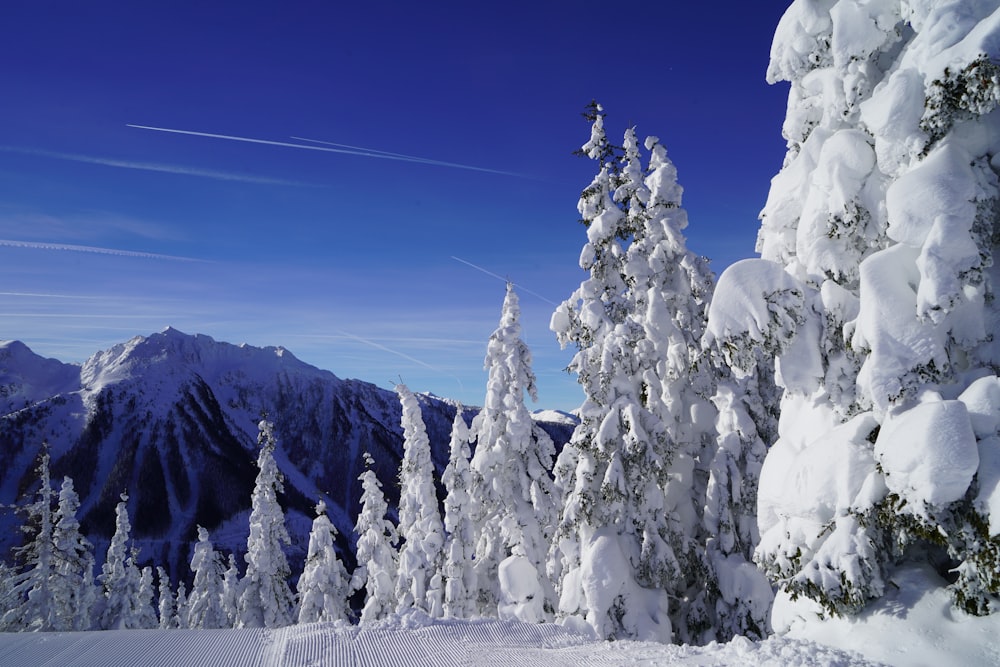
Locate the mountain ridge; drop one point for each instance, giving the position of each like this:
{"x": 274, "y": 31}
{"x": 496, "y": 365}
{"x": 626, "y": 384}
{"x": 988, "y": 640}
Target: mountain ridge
{"x": 171, "y": 418}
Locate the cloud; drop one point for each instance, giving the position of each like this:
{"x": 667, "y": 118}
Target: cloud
{"x": 32, "y": 245}
{"x": 151, "y": 166}
{"x": 329, "y": 147}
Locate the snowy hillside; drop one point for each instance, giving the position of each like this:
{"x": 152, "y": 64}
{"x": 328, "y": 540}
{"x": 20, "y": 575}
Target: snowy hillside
{"x": 173, "y": 417}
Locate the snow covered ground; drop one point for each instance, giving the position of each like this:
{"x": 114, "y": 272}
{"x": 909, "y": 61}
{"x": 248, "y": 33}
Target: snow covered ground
{"x": 913, "y": 625}
{"x": 410, "y": 640}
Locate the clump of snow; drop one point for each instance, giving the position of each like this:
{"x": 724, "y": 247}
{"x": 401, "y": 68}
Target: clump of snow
{"x": 982, "y": 400}
{"x": 939, "y": 190}
{"x": 606, "y": 584}
{"x": 521, "y": 594}
{"x": 901, "y": 346}
{"x": 830, "y": 477}
{"x": 758, "y": 304}
{"x": 928, "y": 453}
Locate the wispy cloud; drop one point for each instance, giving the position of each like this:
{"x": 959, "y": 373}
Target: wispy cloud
{"x": 330, "y": 147}
{"x": 33, "y": 245}
{"x": 152, "y": 166}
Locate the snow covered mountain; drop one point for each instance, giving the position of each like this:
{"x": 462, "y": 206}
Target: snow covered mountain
{"x": 172, "y": 419}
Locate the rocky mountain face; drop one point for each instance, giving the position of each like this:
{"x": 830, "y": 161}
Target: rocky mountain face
{"x": 171, "y": 419}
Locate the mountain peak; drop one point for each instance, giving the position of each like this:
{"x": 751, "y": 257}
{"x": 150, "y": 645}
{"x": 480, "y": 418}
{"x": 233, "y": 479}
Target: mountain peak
{"x": 173, "y": 353}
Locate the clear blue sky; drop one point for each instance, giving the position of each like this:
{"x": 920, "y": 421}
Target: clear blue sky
{"x": 108, "y": 231}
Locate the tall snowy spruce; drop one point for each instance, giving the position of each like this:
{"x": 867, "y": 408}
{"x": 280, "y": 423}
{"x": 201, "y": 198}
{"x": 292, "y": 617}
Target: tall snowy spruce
{"x": 458, "y": 569}
{"x": 265, "y": 599}
{"x": 166, "y": 603}
{"x": 120, "y": 606}
{"x": 628, "y": 552}
{"x": 323, "y": 585}
{"x": 875, "y": 294}
{"x": 28, "y": 602}
{"x": 418, "y": 579}
{"x": 73, "y": 590}
{"x": 205, "y": 603}
{"x": 513, "y": 504}
{"x": 376, "y": 549}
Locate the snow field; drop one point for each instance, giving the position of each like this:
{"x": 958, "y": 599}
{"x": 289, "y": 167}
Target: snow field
{"x": 410, "y": 640}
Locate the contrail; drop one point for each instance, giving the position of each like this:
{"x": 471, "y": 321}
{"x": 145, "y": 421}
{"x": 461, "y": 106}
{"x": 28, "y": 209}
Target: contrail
{"x": 388, "y": 155}
{"x": 327, "y": 149}
{"x": 35, "y": 295}
{"x": 377, "y": 346}
{"x": 152, "y": 166}
{"x": 490, "y": 273}
{"x": 32, "y": 245}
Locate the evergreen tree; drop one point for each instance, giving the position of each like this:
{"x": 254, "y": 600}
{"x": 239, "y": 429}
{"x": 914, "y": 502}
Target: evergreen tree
{"x": 459, "y": 552}
{"x": 31, "y": 605}
{"x": 231, "y": 591}
{"x": 165, "y": 607}
{"x": 418, "y": 578}
{"x": 145, "y": 612}
{"x": 323, "y": 585}
{"x": 635, "y": 471}
{"x": 376, "y": 549}
{"x": 513, "y": 505}
{"x": 265, "y": 599}
{"x": 205, "y": 602}
{"x": 883, "y": 215}
{"x": 73, "y": 590}
{"x": 180, "y": 608}
{"x": 730, "y": 518}
{"x": 120, "y": 577}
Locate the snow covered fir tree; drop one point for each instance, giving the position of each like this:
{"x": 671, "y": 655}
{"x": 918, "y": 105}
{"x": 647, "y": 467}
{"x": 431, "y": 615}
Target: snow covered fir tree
{"x": 512, "y": 502}
{"x": 780, "y": 446}
{"x": 883, "y": 319}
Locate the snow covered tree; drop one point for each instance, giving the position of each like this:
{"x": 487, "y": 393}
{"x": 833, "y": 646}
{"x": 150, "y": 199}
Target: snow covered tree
{"x": 512, "y": 497}
{"x": 323, "y": 585}
{"x": 884, "y": 218}
{"x": 145, "y": 613}
{"x": 265, "y": 600}
{"x": 376, "y": 549}
{"x": 73, "y": 590}
{"x": 180, "y": 607}
{"x": 739, "y": 598}
{"x": 30, "y": 603}
{"x": 634, "y": 475}
{"x": 166, "y": 610}
{"x": 418, "y": 579}
{"x": 231, "y": 591}
{"x": 120, "y": 577}
{"x": 457, "y": 571}
{"x": 205, "y": 602}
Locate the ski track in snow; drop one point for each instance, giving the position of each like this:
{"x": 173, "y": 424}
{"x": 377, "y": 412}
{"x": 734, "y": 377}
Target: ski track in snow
{"x": 410, "y": 640}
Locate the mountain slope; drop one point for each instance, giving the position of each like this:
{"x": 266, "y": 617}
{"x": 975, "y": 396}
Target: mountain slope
{"x": 172, "y": 419}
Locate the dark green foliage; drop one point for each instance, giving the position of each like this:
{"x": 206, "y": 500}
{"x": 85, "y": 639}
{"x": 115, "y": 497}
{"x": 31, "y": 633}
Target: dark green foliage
{"x": 956, "y": 96}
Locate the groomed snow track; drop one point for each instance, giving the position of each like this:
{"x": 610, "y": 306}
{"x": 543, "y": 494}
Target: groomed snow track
{"x": 412, "y": 640}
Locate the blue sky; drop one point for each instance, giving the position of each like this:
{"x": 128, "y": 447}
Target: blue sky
{"x": 357, "y": 261}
